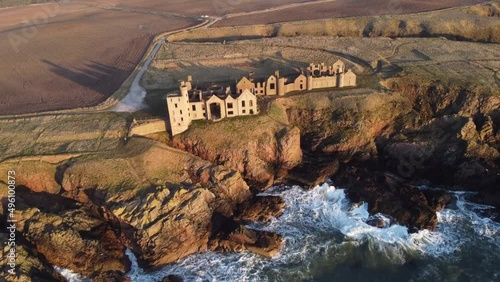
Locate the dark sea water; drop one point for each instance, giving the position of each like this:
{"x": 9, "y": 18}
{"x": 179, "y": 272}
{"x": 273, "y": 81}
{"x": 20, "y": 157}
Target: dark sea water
{"x": 327, "y": 239}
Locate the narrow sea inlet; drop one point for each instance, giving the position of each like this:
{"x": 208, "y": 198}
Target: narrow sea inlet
{"x": 327, "y": 239}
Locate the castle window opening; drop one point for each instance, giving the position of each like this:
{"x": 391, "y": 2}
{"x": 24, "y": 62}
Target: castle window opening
{"x": 230, "y": 113}
{"x": 250, "y": 103}
{"x": 244, "y": 111}
{"x": 229, "y": 105}
{"x": 175, "y": 105}
{"x": 194, "y": 107}
{"x": 243, "y": 103}
{"x": 272, "y": 86}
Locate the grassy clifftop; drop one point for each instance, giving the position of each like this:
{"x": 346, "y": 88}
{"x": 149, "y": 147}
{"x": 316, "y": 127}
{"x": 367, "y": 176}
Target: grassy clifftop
{"x": 61, "y": 134}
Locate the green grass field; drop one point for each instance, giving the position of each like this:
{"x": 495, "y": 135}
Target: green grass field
{"x": 61, "y": 134}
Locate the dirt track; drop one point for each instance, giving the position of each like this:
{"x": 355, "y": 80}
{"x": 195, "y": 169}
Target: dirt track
{"x": 86, "y": 51}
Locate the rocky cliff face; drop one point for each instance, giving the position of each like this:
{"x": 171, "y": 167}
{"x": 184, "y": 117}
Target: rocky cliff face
{"x": 164, "y": 204}
{"x": 261, "y": 155}
{"x": 416, "y": 131}
{"x": 30, "y": 264}
{"x": 67, "y": 235}
{"x": 454, "y": 141}
{"x": 447, "y": 135}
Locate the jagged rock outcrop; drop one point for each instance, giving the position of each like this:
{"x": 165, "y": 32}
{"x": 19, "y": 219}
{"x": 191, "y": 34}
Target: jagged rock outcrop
{"x": 456, "y": 141}
{"x": 448, "y": 135}
{"x": 261, "y": 209}
{"x": 68, "y": 235}
{"x": 261, "y": 156}
{"x": 162, "y": 200}
{"x": 29, "y": 265}
{"x": 264, "y": 243}
{"x": 390, "y": 195}
{"x": 162, "y": 203}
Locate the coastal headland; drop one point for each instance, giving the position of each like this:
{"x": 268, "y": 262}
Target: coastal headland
{"x": 425, "y": 111}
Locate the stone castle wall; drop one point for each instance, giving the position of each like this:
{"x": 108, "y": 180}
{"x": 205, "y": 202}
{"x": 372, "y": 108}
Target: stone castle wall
{"x": 148, "y": 127}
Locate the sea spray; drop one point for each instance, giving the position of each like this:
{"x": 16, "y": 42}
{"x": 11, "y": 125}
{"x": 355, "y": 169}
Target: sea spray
{"x": 322, "y": 226}
{"x": 327, "y": 239}
{"x": 70, "y": 275}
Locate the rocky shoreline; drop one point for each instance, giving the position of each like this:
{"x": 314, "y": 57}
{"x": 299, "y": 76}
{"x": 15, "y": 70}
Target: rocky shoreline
{"x": 165, "y": 204}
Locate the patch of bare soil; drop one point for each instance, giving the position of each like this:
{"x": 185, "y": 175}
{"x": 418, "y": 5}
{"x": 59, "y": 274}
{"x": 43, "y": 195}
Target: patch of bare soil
{"x": 345, "y": 8}
{"x": 199, "y": 7}
{"x": 71, "y": 55}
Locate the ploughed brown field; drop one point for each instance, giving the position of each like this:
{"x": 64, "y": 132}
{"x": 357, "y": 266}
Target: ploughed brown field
{"x": 78, "y": 59}
{"x": 85, "y": 51}
{"x": 200, "y": 7}
{"x": 345, "y": 8}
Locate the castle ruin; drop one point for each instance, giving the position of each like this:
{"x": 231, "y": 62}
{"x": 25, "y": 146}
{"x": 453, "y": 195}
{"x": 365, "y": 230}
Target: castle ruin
{"x": 218, "y": 102}
{"x": 314, "y": 77}
{"x": 214, "y": 103}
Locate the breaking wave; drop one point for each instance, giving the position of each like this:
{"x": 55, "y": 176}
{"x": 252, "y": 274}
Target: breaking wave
{"x": 327, "y": 239}
{"x": 70, "y": 275}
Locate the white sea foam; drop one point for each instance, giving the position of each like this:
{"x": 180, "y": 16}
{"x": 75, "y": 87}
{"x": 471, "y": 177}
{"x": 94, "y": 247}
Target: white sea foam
{"x": 70, "y": 275}
{"x": 324, "y": 223}
{"x": 320, "y": 221}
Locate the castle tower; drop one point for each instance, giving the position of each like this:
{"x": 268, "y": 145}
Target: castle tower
{"x": 184, "y": 89}
{"x": 178, "y": 110}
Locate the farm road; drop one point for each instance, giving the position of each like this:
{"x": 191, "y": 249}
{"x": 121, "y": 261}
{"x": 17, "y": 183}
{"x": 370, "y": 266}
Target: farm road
{"x": 134, "y": 100}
